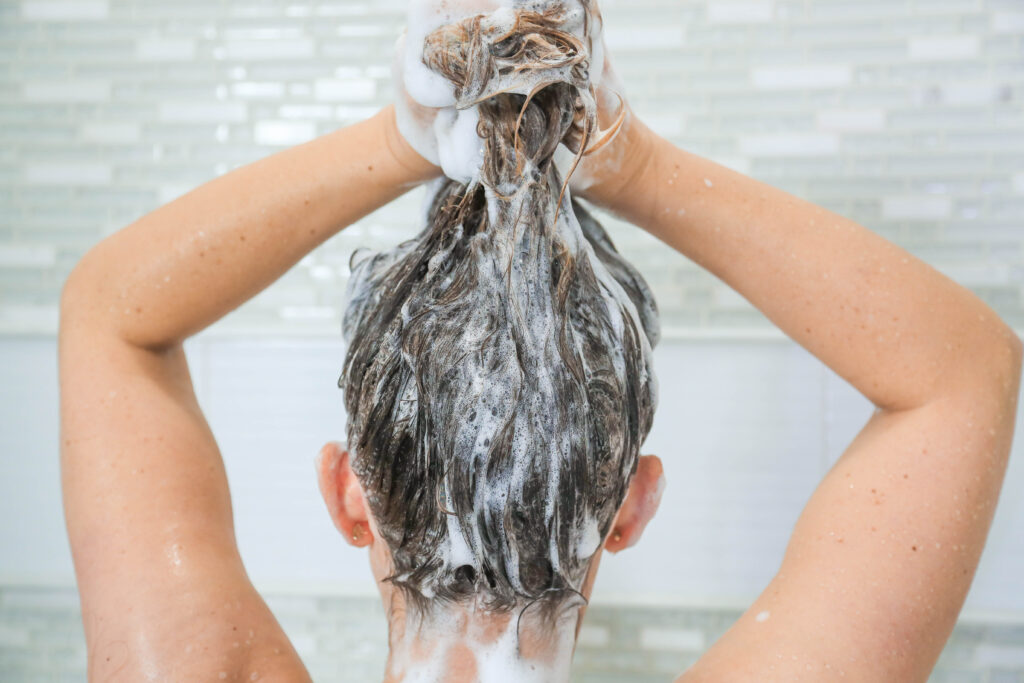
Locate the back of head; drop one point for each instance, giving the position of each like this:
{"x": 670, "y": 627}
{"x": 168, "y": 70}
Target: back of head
{"x": 498, "y": 378}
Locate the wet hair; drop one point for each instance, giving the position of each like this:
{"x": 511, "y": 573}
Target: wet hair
{"x": 498, "y": 378}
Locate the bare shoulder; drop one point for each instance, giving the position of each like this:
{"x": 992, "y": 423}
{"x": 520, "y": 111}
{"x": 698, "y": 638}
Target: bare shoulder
{"x": 884, "y": 552}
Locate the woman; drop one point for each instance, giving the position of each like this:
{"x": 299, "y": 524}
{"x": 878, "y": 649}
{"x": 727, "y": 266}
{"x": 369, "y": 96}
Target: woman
{"x": 869, "y": 588}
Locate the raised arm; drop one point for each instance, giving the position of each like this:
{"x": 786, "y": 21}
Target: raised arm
{"x": 180, "y": 268}
{"x": 163, "y": 590}
{"x": 884, "y": 552}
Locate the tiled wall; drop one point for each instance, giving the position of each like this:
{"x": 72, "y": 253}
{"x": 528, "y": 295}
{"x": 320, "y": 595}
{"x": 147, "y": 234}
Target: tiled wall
{"x": 343, "y": 640}
{"x": 905, "y": 115}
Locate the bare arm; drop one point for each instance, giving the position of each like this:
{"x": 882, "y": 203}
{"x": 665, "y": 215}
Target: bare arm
{"x": 164, "y": 593}
{"x": 884, "y": 552}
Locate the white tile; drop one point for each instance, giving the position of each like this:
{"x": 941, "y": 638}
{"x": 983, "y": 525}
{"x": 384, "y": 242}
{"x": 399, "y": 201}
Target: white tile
{"x": 14, "y": 637}
{"x": 203, "y": 112}
{"x": 682, "y": 640}
{"x": 257, "y": 50}
{"x": 120, "y": 131}
{"x": 1007, "y": 22}
{"x": 27, "y": 256}
{"x": 624, "y": 37}
{"x": 801, "y": 76}
{"x": 29, "y": 318}
{"x": 260, "y": 32}
{"x": 69, "y": 173}
{"x": 739, "y": 12}
{"x": 45, "y": 599}
{"x": 916, "y": 207}
{"x": 308, "y": 312}
{"x": 1018, "y": 182}
{"x": 283, "y": 132}
{"x": 66, "y": 91}
{"x": 363, "y": 30}
{"x": 165, "y": 50}
{"x": 64, "y": 10}
{"x": 305, "y": 111}
{"x": 257, "y": 90}
{"x": 593, "y": 636}
{"x": 346, "y": 90}
{"x": 968, "y": 93}
{"x": 930, "y": 48}
{"x": 789, "y": 144}
{"x": 850, "y": 119}
{"x": 991, "y": 655}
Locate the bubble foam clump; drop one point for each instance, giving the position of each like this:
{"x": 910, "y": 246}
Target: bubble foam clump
{"x": 447, "y": 142}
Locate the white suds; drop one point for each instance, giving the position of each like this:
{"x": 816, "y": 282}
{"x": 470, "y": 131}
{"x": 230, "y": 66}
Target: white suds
{"x": 590, "y": 538}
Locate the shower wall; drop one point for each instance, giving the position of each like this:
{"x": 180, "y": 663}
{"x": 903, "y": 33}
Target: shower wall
{"x": 905, "y": 115}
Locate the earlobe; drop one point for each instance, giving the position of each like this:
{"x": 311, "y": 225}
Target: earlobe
{"x": 641, "y": 503}
{"x": 342, "y": 494}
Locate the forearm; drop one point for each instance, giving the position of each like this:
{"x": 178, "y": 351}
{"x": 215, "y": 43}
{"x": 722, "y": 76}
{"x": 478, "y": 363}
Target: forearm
{"x": 889, "y": 323}
{"x": 183, "y": 266}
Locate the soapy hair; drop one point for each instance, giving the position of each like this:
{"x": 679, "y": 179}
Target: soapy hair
{"x": 498, "y": 378}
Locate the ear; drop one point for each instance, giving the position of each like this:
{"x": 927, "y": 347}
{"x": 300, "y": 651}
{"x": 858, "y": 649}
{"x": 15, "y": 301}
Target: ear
{"x": 641, "y": 503}
{"x": 343, "y": 495}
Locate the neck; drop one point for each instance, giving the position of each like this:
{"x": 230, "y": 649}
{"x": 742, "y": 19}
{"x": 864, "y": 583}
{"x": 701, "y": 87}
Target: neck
{"x": 463, "y": 644}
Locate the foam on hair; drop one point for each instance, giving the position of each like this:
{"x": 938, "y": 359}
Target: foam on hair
{"x": 498, "y": 378}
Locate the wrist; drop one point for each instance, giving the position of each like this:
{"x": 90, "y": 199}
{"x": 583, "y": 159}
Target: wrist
{"x": 412, "y": 164}
{"x": 624, "y": 165}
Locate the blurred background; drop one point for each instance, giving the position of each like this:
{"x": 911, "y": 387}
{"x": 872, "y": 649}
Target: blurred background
{"x": 904, "y": 115}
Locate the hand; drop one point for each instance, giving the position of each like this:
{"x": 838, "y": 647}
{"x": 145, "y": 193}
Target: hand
{"x": 608, "y": 172}
{"x": 414, "y": 122}
{"x": 424, "y": 105}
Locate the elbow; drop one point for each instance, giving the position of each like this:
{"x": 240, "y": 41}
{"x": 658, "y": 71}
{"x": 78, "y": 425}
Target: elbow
{"x": 1007, "y": 358}
{"x": 1017, "y": 347}
{"x": 1016, "y": 353}
{"x": 1011, "y": 348}
{"x": 985, "y": 366}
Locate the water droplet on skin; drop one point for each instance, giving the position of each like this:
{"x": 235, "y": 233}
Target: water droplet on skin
{"x": 763, "y": 616}
{"x": 707, "y": 182}
{"x": 222, "y": 675}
